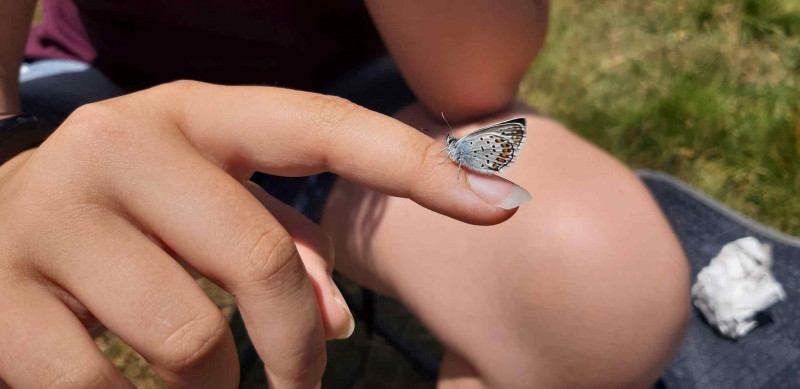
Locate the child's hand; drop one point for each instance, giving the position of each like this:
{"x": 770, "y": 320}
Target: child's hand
{"x": 92, "y": 221}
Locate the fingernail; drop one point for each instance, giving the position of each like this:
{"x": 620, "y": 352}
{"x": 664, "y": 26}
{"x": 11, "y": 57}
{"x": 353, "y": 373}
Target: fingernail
{"x": 337, "y": 296}
{"x": 498, "y": 191}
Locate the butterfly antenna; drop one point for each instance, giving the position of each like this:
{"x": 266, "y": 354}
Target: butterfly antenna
{"x": 448, "y": 125}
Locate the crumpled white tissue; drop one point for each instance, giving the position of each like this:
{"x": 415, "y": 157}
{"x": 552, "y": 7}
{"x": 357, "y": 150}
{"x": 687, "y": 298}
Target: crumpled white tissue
{"x": 736, "y": 285}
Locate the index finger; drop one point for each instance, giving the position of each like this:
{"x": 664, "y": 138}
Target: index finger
{"x": 293, "y": 133}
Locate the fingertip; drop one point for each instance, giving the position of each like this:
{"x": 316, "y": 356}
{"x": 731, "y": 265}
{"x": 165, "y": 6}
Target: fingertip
{"x": 477, "y": 199}
{"x": 336, "y": 316}
{"x": 498, "y": 191}
{"x": 343, "y": 332}
{"x": 493, "y": 215}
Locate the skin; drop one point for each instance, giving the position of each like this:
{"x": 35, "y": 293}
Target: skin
{"x": 586, "y": 286}
{"x": 465, "y": 60}
{"x": 101, "y": 222}
{"x": 109, "y": 242}
{"x": 580, "y": 269}
{"x": 16, "y": 18}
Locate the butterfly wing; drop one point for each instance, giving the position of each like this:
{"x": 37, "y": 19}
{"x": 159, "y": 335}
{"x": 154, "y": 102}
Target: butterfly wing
{"x": 514, "y": 130}
{"x": 493, "y": 148}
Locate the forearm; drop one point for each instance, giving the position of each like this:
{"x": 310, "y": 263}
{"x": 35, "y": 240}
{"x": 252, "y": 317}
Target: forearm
{"x": 463, "y": 58}
{"x": 15, "y": 19}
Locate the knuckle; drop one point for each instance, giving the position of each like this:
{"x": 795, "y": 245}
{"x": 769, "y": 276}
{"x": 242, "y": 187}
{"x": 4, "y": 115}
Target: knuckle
{"x": 310, "y": 365}
{"x": 14, "y": 264}
{"x": 272, "y": 265}
{"x": 93, "y": 128}
{"x": 177, "y": 95}
{"x": 330, "y": 112}
{"x": 192, "y": 341}
{"x": 96, "y": 373}
{"x": 93, "y": 117}
{"x": 423, "y": 159}
{"x": 85, "y": 152}
{"x": 178, "y": 87}
{"x": 427, "y": 157}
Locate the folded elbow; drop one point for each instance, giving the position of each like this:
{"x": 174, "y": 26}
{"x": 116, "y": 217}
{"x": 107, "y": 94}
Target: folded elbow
{"x": 472, "y": 102}
{"x": 484, "y": 102}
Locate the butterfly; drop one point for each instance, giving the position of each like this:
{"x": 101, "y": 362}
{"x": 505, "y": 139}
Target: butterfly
{"x": 488, "y": 150}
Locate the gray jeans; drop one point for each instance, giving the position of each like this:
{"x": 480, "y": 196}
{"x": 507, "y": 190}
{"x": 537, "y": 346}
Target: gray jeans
{"x": 51, "y": 89}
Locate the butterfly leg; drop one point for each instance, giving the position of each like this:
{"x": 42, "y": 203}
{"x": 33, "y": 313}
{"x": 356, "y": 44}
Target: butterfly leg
{"x": 445, "y": 158}
{"x": 458, "y": 175}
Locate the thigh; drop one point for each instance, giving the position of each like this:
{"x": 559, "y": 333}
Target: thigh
{"x": 52, "y": 89}
{"x": 585, "y": 284}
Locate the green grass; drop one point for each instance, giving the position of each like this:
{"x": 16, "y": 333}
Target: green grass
{"x": 705, "y": 90}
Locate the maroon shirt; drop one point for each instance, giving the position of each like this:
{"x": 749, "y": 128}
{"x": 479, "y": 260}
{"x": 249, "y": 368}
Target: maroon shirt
{"x": 139, "y": 43}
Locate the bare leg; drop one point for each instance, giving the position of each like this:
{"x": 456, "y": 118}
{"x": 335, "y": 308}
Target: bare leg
{"x": 586, "y": 286}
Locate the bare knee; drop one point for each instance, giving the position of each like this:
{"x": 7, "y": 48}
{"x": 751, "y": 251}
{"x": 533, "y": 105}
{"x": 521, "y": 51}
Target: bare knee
{"x": 604, "y": 291}
{"x": 586, "y": 286}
